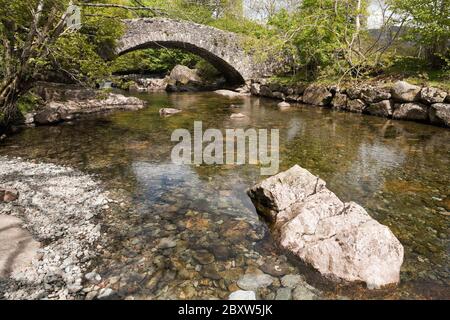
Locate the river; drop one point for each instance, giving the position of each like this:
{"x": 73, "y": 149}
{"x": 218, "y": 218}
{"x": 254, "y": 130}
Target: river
{"x": 399, "y": 171}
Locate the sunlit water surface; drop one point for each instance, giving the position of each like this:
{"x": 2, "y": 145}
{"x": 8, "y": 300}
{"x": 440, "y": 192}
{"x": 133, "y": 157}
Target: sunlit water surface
{"x": 399, "y": 171}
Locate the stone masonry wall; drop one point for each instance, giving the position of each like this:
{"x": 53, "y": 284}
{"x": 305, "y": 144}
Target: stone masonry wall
{"x": 222, "y": 49}
{"x": 401, "y": 101}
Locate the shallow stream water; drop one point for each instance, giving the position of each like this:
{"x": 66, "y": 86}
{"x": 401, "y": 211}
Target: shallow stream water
{"x": 186, "y": 232}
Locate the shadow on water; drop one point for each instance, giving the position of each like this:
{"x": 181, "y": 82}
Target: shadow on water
{"x": 186, "y": 232}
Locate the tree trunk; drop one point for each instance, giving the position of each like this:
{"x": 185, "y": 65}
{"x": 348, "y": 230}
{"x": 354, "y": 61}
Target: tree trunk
{"x": 11, "y": 90}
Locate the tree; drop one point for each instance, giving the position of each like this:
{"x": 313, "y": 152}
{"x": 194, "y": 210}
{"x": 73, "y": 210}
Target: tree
{"x": 323, "y": 34}
{"x": 428, "y": 23}
{"x": 37, "y": 38}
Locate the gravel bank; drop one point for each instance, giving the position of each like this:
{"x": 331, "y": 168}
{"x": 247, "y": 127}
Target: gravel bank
{"x": 58, "y": 205}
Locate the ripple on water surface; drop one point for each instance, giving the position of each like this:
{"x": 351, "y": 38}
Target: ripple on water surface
{"x": 191, "y": 232}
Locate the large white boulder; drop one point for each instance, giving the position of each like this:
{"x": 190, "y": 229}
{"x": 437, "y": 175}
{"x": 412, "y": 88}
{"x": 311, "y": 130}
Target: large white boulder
{"x": 339, "y": 240}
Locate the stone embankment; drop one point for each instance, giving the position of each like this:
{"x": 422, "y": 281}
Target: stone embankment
{"x": 401, "y": 101}
{"x": 339, "y": 240}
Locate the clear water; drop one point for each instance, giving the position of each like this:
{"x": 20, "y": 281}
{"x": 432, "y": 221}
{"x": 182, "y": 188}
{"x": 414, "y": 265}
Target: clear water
{"x": 399, "y": 171}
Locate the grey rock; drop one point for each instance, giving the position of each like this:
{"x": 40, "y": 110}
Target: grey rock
{"x": 317, "y": 95}
{"x": 242, "y": 295}
{"x": 93, "y": 277}
{"x": 381, "y": 109}
{"x": 168, "y": 111}
{"x": 283, "y": 105}
{"x": 278, "y": 95}
{"x": 91, "y": 295}
{"x": 292, "y": 280}
{"x": 293, "y": 98}
{"x": 47, "y": 116}
{"x": 404, "y": 92}
{"x": 105, "y": 293}
{"x": 167, "y": 243}
{"x": 279, "y": 192}
{"x": 432, "y": 95}
{"x": 238, "y": 116}
{"x": 230, "y": 94}
{"x": 284, "y": 294}
{"x": 353, "y": 93}
{"x": 410, "y": 111}
{"x": 275, "y": 269}
{"x": 184, "y": 75}
{"x": 440, "y": 114}
{"x": 303, "y": 293}
{"x": 265, "y": 92}
{"x": 339, "y": 101}
{"x": 356, "y": 106}
{"x": 252, "y": 282}
{"x": 373, "y": 94}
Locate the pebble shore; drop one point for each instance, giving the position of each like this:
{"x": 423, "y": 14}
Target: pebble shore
{"x": 58, "y": 206}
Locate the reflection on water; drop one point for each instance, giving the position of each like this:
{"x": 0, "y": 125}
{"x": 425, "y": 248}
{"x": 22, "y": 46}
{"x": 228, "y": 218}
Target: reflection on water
{"x": 191, "y": 231}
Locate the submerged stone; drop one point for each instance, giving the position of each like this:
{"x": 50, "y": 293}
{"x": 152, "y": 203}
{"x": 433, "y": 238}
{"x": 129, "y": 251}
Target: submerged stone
{"x": 242, "y": 295}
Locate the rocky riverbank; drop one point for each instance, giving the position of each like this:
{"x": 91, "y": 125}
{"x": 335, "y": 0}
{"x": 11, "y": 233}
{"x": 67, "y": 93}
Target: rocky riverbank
{"x": 58, "y": 206}
{"x": 60, "y": 102}
{"x": 401, "y": 100}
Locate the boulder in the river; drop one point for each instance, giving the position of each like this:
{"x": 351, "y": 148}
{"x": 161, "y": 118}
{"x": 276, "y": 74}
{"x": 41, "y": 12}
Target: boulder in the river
{"x": 381, "y": 109}
{"x": 339, "y": 240}
{"x": 238, "y": 116}
{"x": 8, "y": 194}
{"x": 410, "y": 111}
{"x": 339, "y": 101}
{"x": 317, "y": 95}
{"x": 356, "y": 105}
{"x": 230, "y": 94}
{"x": 184, "y": 75}
{"x": 440, "y": 114}
{"x": 168, "y": 111}
{"x": 47, "y": 116}
{"x": 404, "y": 92}
{"x": 432, "y": 95}
{"x": 283, "y": 105}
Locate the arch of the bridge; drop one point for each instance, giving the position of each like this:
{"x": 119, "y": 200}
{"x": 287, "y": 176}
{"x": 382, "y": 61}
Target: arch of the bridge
{"x": 220, "y": 48}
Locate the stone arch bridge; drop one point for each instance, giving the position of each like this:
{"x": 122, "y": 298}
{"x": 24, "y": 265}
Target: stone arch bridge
{"x": 222, "y": 49}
